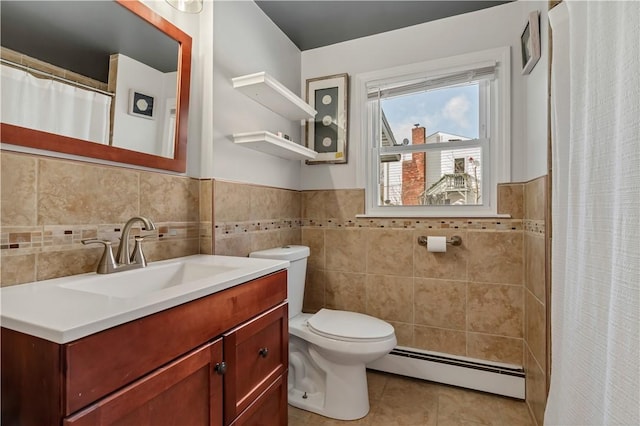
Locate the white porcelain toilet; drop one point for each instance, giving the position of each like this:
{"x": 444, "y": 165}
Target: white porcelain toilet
{"x": 329, "y": 350}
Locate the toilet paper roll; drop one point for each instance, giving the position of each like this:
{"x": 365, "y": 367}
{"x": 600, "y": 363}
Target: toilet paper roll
{"x": 437, "y": 244}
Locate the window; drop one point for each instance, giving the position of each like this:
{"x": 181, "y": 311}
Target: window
{"x": 436, "y": 135}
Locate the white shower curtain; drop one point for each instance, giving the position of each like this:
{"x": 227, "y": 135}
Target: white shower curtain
{"x": 595, "y": 296}
{"x": 54, "y": 107}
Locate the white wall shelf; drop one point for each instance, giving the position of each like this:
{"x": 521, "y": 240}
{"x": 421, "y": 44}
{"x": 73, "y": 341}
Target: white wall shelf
{"x": 272, "y": 144}
{"x": 269, "y": 92}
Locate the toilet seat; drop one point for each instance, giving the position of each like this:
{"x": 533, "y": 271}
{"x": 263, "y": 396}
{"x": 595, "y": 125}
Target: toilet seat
{"x": 349, "y": 326}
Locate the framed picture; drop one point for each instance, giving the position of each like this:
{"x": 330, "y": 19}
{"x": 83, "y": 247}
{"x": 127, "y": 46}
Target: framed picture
{"x": 530, "y": 43}
{"x": 327, "y": 132}
{"x": 141, "y": 105}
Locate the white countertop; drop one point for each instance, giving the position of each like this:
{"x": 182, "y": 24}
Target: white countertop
{"x": 59, "y": 310}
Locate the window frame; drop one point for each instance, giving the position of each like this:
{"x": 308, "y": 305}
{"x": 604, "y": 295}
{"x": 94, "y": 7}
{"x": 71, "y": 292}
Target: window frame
{"x": 494, "y": 141}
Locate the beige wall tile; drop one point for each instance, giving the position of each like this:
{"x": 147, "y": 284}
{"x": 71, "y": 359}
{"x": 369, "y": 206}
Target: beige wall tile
{"x": 265, "y": 203}
{"x": 265, "y": 240}
{"x": 206, "y": 245}
{"x": 495, "y": 348}
{"x": 345, "y": 249}
{"x": 536, "y": 388}
{"x": 231, "y": 202}
{"x": 495, "y": 257}
{"x": 390, "y": 298}
{"x": 535, "y": 204}
{"x": 314, "y": 239}
{"x": 344, "y": 204}
{"x": 534, "y": 261}
{"x": 314, "y": 291}
{"x": 451, "y": 265}
{"x": 71, "y": 193}
{"x": 206, "y": 200}
{"x": 440, "y": 340}
{"x": 168, "y": 198}
{"x": 17, "y": 269}
{"x": 290, "y": 236}
{"x": 345, "y": 291}
{"x": 404, "y": 333}
{"x": 18, "y": 201}
{"x": 169, "y": 249}
{"x": 441, "y": 303}
{"x": 389, "y": 252}
{"x": 290, "y": 203}
{"x": 495, "y": 309}
{"x": 535, "y": 328}
{"x": 313, "y": 204}
{"x": 236, "y": 245}
{"x": 69, "y": 262}
{"x": 511, "y": 199}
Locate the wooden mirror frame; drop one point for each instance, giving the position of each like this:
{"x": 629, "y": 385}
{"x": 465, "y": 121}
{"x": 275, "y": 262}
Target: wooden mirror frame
{"x": 22, "y": 136}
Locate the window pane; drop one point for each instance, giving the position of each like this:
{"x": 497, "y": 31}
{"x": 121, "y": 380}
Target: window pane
{"x": 446, "y": 113}
{"x": 447, "y": 177}
{"x": 436, "y": 177}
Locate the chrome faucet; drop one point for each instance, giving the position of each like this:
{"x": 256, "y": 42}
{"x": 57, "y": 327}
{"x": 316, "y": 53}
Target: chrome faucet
{"x": 124, "y": 260}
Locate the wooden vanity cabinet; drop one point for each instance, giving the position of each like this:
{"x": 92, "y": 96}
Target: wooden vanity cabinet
{"x": 163, "y": 369}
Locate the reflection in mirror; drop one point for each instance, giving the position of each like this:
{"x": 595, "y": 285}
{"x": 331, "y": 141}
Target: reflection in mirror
{"x": 104, "y": 79}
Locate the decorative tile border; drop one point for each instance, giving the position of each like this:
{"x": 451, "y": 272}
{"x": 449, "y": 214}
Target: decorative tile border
{"x": 228, "y": 228}
{"x": 537, "y": 227}
{"x": 474, "y": 224}
{"x": 34, "y": 239}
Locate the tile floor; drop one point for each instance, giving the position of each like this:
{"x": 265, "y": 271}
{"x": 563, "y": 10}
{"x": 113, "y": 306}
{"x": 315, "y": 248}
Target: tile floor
{"x": 397, "y": 400}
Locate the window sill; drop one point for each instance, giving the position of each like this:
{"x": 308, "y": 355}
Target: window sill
{"x": 409, "y": 215}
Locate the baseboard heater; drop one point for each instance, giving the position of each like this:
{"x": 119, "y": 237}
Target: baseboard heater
{"x": 501, "y": 379}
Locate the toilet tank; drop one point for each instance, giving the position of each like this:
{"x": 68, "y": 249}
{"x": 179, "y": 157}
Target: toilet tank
{"x": 296, "y": 274}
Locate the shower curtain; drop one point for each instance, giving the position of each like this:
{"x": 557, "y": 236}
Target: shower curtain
{"x": 54, "y": 107}
{"x": 595, "y": 296}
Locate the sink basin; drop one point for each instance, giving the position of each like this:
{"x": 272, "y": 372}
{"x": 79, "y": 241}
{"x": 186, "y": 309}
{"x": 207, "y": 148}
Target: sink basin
{"x": 141, "y": 282}
{"x": 68, "y": 308}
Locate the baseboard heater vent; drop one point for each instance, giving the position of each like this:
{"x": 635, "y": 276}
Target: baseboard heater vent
{"x": 501, "y": 379}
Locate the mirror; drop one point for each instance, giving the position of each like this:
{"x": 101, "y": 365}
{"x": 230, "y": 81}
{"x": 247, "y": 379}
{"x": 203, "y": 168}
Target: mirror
{"x": 130, "y": 67}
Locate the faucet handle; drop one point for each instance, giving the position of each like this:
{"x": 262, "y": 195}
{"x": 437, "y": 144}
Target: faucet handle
{"x": 138, "y": 256}
{"x": 107, "y": 262}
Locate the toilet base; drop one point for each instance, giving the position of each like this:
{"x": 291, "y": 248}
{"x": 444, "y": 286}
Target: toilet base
{"x": 346, "y": 396}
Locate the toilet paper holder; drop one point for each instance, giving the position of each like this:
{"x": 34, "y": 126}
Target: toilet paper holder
{"x": 454, "y": 241}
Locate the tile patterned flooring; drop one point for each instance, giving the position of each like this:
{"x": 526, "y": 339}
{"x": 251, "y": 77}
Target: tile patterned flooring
{"x": 397, "y": 400}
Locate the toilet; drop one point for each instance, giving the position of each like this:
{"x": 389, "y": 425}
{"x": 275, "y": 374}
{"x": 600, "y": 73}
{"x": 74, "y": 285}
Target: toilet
{"x": 328, "y": 350}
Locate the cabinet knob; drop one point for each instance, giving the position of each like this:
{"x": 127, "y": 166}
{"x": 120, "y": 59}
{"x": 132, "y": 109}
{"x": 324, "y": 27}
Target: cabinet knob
{"x": 221, "y": 368}
{"x": 263, "y": 352}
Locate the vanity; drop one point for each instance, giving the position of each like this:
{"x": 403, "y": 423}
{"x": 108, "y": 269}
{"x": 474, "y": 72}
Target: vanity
{"x": 201, "y": 340}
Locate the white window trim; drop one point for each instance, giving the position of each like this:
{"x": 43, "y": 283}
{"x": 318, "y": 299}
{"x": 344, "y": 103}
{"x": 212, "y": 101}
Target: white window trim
{"x": 497, "y": 163}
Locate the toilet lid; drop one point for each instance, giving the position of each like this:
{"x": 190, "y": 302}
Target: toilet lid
{"x": 343, "y": 325}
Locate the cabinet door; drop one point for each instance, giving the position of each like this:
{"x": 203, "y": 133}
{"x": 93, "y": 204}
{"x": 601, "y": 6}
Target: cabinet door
{"x": 256, "y": 353}
{"x": 270, "y": 409}
{"x": 186, "y": 392}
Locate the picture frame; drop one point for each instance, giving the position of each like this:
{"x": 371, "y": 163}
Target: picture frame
{"x": 530, "y": 42}
{"x": 141, "y": 105}
{"x": 327, "y": 132}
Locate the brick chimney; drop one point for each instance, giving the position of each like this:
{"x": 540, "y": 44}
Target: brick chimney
{"x": 413, "y": 170}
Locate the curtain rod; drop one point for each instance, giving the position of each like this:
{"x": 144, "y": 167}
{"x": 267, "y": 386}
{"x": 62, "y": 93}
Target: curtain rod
{"x": 54, "y": 77}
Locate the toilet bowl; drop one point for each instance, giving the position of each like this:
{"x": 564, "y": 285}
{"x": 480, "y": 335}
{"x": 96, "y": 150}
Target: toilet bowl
{"x": 328, "y": 350}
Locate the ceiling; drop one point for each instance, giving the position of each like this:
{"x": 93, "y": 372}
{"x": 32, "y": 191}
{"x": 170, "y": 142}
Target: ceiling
{"x": 80, "y": 35}
{"x": 316, "y": 23}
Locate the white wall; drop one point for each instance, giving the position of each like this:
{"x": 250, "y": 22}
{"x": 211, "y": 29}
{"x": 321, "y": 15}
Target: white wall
{"x": 245, "y": 41}
{"x": 134, "y": 132}
{"x": 535, "y": 106}
{"x": 490, "y": 28}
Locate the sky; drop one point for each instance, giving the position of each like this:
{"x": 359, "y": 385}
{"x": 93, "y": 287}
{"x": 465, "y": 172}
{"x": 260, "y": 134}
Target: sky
{"x": 450, "y": 110}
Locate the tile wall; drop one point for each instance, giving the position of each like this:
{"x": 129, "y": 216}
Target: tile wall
{"x": 253, "y": 217}
{"x": 468, "y": 301}
{"x": 49, "y": 205}
{"x": 536, "y": 249}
